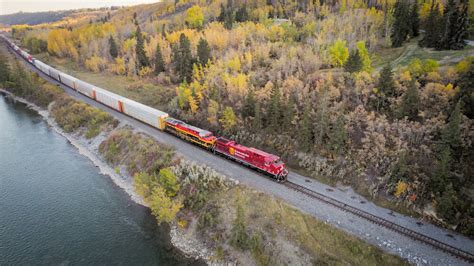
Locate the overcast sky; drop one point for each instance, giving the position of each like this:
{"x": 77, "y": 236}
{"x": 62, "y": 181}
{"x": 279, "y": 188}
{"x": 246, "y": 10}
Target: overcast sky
{"x": 13, "y": 6}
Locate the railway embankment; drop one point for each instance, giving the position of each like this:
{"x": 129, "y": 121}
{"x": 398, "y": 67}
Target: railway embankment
{"x": 212, "y": 216}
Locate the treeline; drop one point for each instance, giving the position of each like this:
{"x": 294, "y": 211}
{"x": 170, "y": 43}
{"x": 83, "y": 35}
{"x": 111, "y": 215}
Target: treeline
{"x": 34, "y": 18}
{"x": 444, "y": 30}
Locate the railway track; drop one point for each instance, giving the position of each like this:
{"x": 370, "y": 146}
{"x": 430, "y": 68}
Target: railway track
{"x": 469, "y": 257}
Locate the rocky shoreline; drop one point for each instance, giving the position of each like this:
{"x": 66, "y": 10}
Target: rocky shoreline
{"x": 187, "y": 243}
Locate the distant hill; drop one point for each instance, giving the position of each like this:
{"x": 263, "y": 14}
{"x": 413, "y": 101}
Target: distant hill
{"x": 34, "y": 18}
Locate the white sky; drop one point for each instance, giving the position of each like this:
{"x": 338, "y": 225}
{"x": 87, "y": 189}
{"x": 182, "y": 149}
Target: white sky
{"x": 13, "y": 6}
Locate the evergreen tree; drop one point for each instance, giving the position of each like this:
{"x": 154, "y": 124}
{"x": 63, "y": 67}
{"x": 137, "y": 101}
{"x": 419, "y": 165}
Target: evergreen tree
{"x": 257, "y": 120}
{"x": 466, "y": 92}
{"x": 239, "y": 236}
{"x": 446, "y": 205}
{"x": 410, "y": 102}
{"x": 338, "y": 136}
{"x": 113, "y": 50}
{"x": 289, "y": 114}
{"x": 229, "y": 19}
{"x": 249, "y": 106}
{"x": 432, "y": 29}
{"x": 163, "y": 30}
{"x": 306, "y": 132}
{"x": 159, "y": 62}
{"x": 451, "y": 135}
{"x": 321, "y": 124}
{"x": 142, "y": 59}
{"x": 242, "y": 14}
{"x": 401, "y": 26}
{"x": 4, "y": 70}
{"x": 455, "y": 19}
{"x": 222, "y": 14}
{"x": 182, "y": 59}
{"x": 384, "y": 90}
{"x": 415, "y": 20}
{"x": 442, "y": 173}
{"x": 354, "y": 62}
{"x": 274, "y": 111}
{"x": 203, "y": 52}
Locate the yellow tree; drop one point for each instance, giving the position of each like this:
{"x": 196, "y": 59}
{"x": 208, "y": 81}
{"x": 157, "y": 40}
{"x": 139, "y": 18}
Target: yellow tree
{"x": 163, "y": 207}
{"x": 195, "y": 17}
{"x": 228, "y": 120}
{"x": 338, "y": 53}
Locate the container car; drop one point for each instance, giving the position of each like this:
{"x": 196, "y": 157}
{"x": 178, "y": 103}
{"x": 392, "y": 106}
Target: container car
{"x": 190, "y": 133}
{"x": 151, "y": 116}
{"x": 265, "y": 162}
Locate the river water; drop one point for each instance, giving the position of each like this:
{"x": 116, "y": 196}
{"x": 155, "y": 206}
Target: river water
{"x": 56, "y": 208}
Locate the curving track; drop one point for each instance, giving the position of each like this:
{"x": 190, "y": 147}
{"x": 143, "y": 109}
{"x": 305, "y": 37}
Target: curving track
{"x": 469, "y": 257}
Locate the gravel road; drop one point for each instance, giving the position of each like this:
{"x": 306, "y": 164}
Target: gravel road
{"x": 413, "y": 251}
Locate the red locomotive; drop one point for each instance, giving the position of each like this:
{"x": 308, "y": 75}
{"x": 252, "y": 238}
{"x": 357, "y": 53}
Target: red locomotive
{"x": 252, "y": 157}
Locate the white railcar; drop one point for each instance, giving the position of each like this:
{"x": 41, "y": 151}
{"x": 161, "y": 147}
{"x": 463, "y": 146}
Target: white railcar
{"x": 54, "y": 73}
{"x": 68, "y": 80}
{"x": 110, "y": 99}
{"x": 42, "y": 66}
{"x": 145, "y": 113}
{"x": 85, "y": 88}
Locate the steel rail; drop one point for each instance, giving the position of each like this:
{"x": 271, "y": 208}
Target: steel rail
{"x": 469, "y": 257}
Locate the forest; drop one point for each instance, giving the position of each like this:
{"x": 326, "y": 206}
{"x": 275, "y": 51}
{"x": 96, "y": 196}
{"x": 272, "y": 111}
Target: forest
{"x": 312, "y": 81}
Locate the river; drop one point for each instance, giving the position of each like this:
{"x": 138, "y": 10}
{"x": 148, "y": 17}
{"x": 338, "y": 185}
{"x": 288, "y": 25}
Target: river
{"x": 56, "y": 208}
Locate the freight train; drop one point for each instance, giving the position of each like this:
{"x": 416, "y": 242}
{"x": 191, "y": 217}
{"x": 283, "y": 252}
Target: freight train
{"x": 256, "y": 159}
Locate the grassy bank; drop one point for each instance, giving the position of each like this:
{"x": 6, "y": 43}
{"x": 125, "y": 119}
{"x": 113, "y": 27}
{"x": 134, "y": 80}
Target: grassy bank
{"x": 237, "y": 222}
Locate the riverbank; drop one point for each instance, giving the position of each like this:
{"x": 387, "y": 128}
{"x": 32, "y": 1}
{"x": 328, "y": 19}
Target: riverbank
{"x": 90, "y": 149}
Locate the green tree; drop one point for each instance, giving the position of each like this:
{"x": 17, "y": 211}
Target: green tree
{"x": 159, "y": 62}
{"x": 306, "y": 129}
{"x": 401, "y": 26}
{"x": 410, "y": 102}
{"x": 4, "y": 69}
{"x": 321, "y": 123}
{"x": 289, "y": 114}
{"x": 442, "y": 172}
{"x": 113, "y": 51}
{"x": 354, "y": 63}
{"x": 466, "y": 90}
{"x": 182, "y": 59}
{"x": 432, "y": 29}
{"x": 455, "y": 20}
{"x": 415, "y": 20}
{"x": 338, "y": 136}
{"x": 249, "y": 105}
{"x": 142, "y": 59}
{"x": 242, "y": 14}
{"x": 446, "y": 205}
{"x": 169, "y": 182}
{"x": 257, "y": 120}
{"x": 384, "y": 90}
{"x": 451, "y": 135}
{"x": 239, "y": 236}
{"x": 274, "y": 110}
{"x": 203, "y": 52}
{"x": 338, "y": 53}
{"x": 163, "y": 30}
